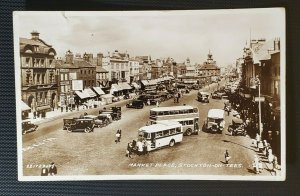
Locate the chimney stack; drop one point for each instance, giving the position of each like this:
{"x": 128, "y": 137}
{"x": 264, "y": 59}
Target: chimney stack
{"x": 35, "y": 35}
{"x": 69, "y": 57}
{"x": 277, "y": 44}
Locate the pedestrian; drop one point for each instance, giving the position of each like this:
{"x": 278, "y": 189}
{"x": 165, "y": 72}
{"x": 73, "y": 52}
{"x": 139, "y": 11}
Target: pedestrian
{"x": 256, "y": 164}
{"x": 148, "y": 101}
{"x": 145, "y": 147}
{"x": 275, "y": 165}
{"x": 140, "y": 147}
{"x": 227, "y": 157}
{"x": 52, "y": 169}
{"x": 117, "y": 137}
{"x": 260, "y": 166}
{"x": 178, "y": 96}
{"x": 257, "y": 138}
{"x": 157, "y": 104}
{"x": 175, "y": 97}
{"x": 44, "y": 171}
{"x": 260, "y": 146}
{"x": 129, "y": 150}
{"x": 120, "y": 131}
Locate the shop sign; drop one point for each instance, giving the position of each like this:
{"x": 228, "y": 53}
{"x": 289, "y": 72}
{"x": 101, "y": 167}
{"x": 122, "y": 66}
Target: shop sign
{"x": 77, "y": 85}
{"x": 257, "y": 99}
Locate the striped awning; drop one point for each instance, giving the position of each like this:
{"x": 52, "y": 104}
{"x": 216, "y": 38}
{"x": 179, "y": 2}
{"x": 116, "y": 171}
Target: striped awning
{"x": 125, "y": 86}
{"x": 82, "y": 95}
{"x": 116, "y": 88}
{"x": 98, "y": 90}
{"x": 24, "y": 106}
{"x": 90, "y": 92}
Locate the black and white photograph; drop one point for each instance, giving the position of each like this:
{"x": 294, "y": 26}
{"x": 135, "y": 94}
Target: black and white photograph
{"x": 151, "y": 95}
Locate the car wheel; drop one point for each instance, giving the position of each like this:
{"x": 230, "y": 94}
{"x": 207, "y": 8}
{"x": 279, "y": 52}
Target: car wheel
{"x": 189, "y": 132}
{"x": 172, "y": 143}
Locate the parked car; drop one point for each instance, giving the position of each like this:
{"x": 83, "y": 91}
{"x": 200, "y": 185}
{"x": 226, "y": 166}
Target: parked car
{"x": 237, "y": 127}
{"x": 81, "y": 124}
{"x": 138, "y": 104}
{"x": 203, "y": 96}
{"x": 215, "y": 121}
{"x": 27, "y": 127}
{"x": 105, "y": 117}
{"x": 97, "y": 122}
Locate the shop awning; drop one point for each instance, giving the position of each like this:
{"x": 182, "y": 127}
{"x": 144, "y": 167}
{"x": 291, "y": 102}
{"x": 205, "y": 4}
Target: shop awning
{"x": 24, "y": 106}
{"x": 125, "y": 86}
{"x": 107, "y": 96}
{"x": 98, "y": 90}
{"x": 135, "y": 85}
{"x": 90, "y": 92}
{"x": 82, "y": 95}
{"x": 145, "y": 82}
{"x": 45, "y": 107}
{"x": 116, "y": 88}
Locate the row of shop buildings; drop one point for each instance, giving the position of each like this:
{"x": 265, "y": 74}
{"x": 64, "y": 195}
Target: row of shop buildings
{"x": 48, "y": 82}
{"x": 259, "y": 69}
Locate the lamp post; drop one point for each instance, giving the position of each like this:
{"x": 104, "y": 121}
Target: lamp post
{"x": 259, "y": 106}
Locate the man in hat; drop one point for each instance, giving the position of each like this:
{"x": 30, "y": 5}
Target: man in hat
{"x": 52, "y": 169}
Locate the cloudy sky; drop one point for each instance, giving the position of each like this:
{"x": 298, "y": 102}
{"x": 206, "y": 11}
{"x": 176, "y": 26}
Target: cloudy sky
{"x": 176, "y": 34}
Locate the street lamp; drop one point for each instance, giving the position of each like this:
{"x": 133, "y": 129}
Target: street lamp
{"x": 259, "y": 105}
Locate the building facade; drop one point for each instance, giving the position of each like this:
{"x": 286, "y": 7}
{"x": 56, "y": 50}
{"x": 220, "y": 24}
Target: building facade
{"x": 38, "y": 84}
{"x": 209, "y": 69}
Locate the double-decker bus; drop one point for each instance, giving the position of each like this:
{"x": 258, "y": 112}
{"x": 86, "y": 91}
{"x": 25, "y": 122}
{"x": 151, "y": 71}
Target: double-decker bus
{"x": 161, "y": 134}
{"x": 186, "y": 115}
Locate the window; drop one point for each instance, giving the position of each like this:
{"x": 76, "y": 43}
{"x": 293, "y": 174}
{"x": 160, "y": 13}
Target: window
{"x": 27, "y": 61}
{"x": 165, "y": 132}
{"x": 42, "y": 62}
{"x": 66, "y": 76}
{"x": 50, "y": 61}
{"x": 38, "y": 78}
{"x": 43, "y": 78}
{"x": 62, "y": 89}
{"x": 61, "y": 77}
{"x": 191, "y": 122}
{"x": 172, "y": 131}
{"x": 178, "y": 129}
{"x": 159, "y": 134}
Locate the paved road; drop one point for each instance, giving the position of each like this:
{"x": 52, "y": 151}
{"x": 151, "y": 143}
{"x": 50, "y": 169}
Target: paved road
{"x": 96, "y": 153}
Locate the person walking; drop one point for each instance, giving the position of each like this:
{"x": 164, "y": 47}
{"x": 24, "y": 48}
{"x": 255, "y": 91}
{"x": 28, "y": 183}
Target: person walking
{"x": 256, "y": 164}
{"x": 129, "y": 150}
{"x": 118, "y": 137}
{"x": 145, "y": 147}
{"x": 139, "y": 147}
{"x": 227, "y": 157}
{"x": 52, "y": 169}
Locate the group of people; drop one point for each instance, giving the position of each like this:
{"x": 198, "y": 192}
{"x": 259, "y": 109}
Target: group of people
{"x": 52, "y": 171}
{"x": 139, "y": 147}
{"x": 176, "y": 96}
{"x": 265, "y": 149}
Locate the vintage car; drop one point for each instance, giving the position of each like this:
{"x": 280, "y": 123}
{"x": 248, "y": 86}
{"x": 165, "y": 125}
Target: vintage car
{"x": 215, "y": 121}
{"x": 203, "y": 96}
{"x": 97, "y": 122}
{"x": 105, "y": 117}
{"x": 27, "y": 127}
{"x": 138, "y": 104}
{"x": 237, "y": 127}
{"x": 81, "y": 124}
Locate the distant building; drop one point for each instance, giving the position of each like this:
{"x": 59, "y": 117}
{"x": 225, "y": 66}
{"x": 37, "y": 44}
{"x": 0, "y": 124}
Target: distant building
{"x": 38, "y": 84}
{"x": 209, "y": 69}
{"x": 133, "y": 70}
{"x": 117, "y": 66}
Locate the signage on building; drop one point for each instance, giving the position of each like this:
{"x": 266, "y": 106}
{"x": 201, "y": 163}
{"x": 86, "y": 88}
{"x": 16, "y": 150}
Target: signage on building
{"x": 73, "y": 76}
{"x": 64, "y": 70}
{"x": 77, "y": 85}
{"x": 62, "y": 100}
{"x": 257, "y": 99}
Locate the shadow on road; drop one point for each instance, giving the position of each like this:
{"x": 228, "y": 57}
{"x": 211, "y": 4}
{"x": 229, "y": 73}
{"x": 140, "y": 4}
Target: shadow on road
{"x": 239, "y": 145}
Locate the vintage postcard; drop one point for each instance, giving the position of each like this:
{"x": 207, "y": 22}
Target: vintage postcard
{"x": 175, "y": 95}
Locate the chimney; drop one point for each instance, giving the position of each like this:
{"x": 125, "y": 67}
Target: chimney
{"x": 69, "y": 57}
{"x": 99, "y": 59}
{"x": 277, "y": 44}
{"x": 35, "y": 35}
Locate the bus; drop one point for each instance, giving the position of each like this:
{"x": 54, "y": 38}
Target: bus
{"x": 161, "y": 134}
{"x": 188, "y": 116}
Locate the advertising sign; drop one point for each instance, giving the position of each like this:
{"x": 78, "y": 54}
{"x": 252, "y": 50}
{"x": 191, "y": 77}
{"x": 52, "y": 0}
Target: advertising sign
{"x": 257, "y": 99}
{"x": 77, "y": 85}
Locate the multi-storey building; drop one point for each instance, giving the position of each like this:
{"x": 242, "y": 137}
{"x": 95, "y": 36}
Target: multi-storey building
{"x": 117, "y": 66}
{"x": 38, "y": 84}
{"x": 133, "y": 70}
{"x": 209, "y": 69}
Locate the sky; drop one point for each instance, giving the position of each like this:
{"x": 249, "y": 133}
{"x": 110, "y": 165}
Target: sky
{"x": 160, "y": 34}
